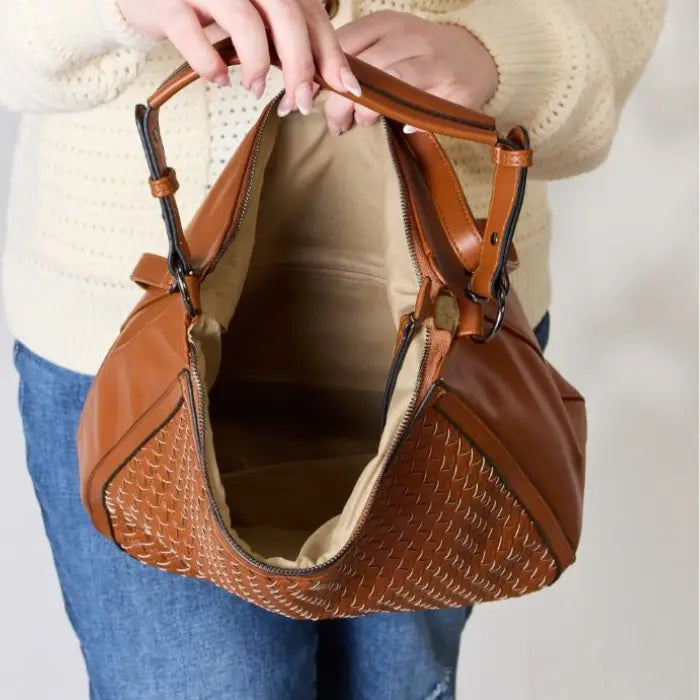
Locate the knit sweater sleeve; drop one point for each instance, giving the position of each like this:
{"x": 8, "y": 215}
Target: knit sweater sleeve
{"x": 565, "y": 68}
{"x": 65, "y": 54}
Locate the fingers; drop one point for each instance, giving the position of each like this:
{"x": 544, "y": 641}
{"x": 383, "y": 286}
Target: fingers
{"x": 339, "y": 113}
{"x": 459, "y": 94}
{"x": 305, "y": 41}
{"x": 182, "y": 26}
{"x": 370, "y": 40}
{"x": 302, "y": 34}
{"x": 290, "y": 35}
{"x": 387, "y": 53}
{"x": 359, "y": 35}
{"x": 365, "y": 116}
{"x": 303, "y": 37}
{"x": 243, "y": 23}
{"x": 329, "y": 57}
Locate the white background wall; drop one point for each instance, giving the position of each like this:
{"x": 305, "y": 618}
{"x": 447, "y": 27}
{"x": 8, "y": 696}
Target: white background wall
{"x": 622, "y": 623}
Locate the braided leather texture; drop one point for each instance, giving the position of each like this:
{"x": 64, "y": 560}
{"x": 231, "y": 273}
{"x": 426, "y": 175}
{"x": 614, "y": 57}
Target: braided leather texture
{"x": 443, "y": 529}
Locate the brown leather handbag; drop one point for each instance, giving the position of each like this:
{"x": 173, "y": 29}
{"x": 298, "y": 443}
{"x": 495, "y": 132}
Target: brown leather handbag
{"x": 322, "y": 402}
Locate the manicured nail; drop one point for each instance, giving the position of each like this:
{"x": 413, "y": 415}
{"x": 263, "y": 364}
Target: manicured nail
{"x": 222, "y": 80}
{"x": 304, "y": 98}
{"x": 284, "y": 108}
{"x": 257, "y": 87}
{"x": 350, "y": 82}
{"x": 408, "y": 129}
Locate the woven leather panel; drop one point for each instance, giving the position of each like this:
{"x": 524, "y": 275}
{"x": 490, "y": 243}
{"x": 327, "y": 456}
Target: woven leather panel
{"x": 443, "y": 530}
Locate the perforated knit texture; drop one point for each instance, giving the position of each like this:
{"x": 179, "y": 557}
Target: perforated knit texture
{"x": 80, "y": 210}
{"x": 443, "y": 530}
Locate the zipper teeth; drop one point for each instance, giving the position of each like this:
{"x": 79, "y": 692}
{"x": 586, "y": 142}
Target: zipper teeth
{"x": 405, "y": 420}
{"x": 249, "y": 187}
{"x": 230, "y": 236}
{"x": 200, "y": 395}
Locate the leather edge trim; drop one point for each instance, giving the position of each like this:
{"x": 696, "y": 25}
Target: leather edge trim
{"x": 128, "y": 458}
{"x": 456, "y": 412}
{"x": 91, "y": 495}
{"x": 489, "y": 128}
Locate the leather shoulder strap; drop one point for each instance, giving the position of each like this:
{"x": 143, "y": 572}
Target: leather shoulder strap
{"x": 381, "y": 92}
{"x": 403, "y": 103}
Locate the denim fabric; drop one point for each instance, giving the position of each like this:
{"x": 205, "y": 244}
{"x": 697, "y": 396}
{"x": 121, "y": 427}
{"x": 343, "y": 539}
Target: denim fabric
{"x": 150, "y": 635}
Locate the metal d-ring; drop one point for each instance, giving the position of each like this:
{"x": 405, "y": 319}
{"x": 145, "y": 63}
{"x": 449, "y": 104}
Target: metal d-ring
{"x": 503, "y": 288}
{"x": 179, "y": 277}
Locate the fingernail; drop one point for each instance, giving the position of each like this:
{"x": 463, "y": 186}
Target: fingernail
{"x": 284, "y": 108}
{"x": 304, "y": 98}
{"x": 350, "y": 82}
{"x": 257, "y": 87}
{"x": 222, "y": 80}
{"x": 408, "y": 129}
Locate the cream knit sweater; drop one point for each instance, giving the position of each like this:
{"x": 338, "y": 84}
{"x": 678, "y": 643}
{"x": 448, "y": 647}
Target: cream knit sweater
{"x": 81, "y": 214}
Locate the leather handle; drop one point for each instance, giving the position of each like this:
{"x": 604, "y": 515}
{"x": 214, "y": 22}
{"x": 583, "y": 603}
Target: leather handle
{"x": 381, "y": 92}
{"x": 402, "y": 103}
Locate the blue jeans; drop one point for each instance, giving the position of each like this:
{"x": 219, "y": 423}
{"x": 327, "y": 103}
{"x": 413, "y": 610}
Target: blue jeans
{"x": 150, "y": 635}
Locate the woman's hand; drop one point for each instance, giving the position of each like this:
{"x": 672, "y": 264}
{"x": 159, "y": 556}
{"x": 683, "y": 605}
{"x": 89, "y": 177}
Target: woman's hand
{"x": 300, "y": 31}
{"x": 445, "y": 60}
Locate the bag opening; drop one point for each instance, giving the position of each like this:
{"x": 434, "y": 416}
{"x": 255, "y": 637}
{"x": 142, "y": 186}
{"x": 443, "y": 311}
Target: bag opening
{"x": 295, "y": 341}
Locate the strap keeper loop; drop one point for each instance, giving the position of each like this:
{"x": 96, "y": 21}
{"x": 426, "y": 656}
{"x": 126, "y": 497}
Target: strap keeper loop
{"x": 511, "y": 158}
{"x": 165, "y": 186}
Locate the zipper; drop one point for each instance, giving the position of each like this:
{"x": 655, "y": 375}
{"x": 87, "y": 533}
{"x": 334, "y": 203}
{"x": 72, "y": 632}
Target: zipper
{"x": 230, "y": 236}
{"x": 194, "y": 374}
{"x": 405, "y": 420}
{"x": 409, "y": 329}
{"x": 247, "y": 194}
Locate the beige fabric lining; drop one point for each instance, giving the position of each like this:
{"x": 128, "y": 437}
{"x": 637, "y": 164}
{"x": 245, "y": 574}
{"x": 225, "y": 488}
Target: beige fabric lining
{"x": 318, "y": 277}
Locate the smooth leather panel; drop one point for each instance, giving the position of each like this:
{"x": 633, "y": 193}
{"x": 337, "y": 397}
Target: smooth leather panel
{"x": 508, "y": 385}
{"x": 149, "y": 354}
{"x": 510, "y": 470}
{"x": 152, "y": 271}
